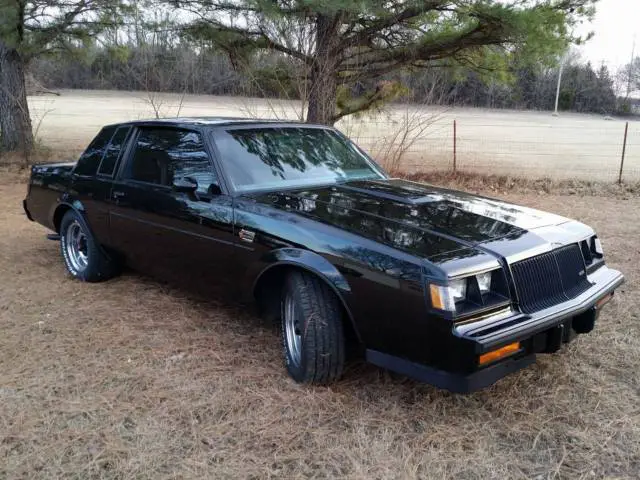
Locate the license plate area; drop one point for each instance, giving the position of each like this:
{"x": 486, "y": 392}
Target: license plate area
{"x": 550, "y": 340}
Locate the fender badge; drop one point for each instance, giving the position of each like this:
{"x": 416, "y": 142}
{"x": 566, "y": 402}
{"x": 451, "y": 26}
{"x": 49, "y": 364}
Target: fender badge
{"x": 247, "y": 235}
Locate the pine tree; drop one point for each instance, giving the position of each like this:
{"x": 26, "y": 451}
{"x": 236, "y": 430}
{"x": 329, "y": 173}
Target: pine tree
{"x": 340, "y": 45}
{"x": 38, "y": 27}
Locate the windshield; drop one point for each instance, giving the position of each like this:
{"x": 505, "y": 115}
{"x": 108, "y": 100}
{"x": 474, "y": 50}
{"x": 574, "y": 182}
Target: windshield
{"x": 285, "y": 157}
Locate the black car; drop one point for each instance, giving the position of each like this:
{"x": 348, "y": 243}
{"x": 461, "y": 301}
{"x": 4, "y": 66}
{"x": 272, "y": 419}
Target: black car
{"x": 453, "y": 289}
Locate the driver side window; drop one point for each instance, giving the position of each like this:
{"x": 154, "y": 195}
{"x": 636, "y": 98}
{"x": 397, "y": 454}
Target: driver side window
{"x": 163, "y": 155}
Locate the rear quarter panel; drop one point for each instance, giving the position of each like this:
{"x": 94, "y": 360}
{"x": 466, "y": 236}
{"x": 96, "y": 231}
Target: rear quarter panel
{"x": 47, "y": 185}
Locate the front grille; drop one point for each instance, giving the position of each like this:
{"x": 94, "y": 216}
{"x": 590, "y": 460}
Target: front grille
{"x": 549, "y": 279}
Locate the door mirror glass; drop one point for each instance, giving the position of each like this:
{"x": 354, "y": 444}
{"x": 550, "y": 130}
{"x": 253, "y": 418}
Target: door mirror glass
{"x": 185, "y": 184}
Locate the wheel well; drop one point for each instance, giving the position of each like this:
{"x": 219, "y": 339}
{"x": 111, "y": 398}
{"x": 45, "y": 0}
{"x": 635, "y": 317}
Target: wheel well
{"x": 58, "y": 214}
{"x": 268, "y": 291}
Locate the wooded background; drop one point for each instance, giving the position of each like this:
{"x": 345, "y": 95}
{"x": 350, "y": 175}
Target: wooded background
{"x": 339, "y": 58}
{"x": 165, "y": 67}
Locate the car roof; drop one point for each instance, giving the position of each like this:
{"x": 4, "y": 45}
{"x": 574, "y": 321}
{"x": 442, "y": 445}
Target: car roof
{"x": 214, "y": 121}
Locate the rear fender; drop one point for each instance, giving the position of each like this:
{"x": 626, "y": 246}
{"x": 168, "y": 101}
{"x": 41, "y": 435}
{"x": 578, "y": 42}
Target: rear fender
{"x": 63, "y": 207}
{"x": 65, "y": 204}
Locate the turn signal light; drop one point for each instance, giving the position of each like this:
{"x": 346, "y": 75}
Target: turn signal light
{"x": 600, "y": 303}
{"x": 499, "y": 353}
{"x": 437, "y": 297}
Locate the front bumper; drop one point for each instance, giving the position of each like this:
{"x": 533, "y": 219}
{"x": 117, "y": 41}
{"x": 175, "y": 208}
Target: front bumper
{"x": 542, "y": 332}
{"x": 491, "y": 334}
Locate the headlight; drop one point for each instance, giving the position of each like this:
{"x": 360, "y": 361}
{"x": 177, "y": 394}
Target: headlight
{"x": 592, "y": 252}
{"x": 458, "y": 289}
{"x": 467, "y": 294}
{"x": 484, "y": 282}
{"x": 597, "y": 246}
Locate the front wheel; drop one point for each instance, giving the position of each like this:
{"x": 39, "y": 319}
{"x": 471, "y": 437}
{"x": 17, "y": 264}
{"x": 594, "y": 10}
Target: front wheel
{"x": 82, "y": 256}
{"x": 312, "y": 331}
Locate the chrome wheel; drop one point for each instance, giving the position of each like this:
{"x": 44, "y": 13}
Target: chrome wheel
{"x": 292, "y": 329}
{"x": 76, "y": 247}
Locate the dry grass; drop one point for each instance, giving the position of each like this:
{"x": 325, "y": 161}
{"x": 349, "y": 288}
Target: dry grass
{"x": 13, "y": 174}
{"x": 136, "y": 379}
{"x": 503, "y": 184}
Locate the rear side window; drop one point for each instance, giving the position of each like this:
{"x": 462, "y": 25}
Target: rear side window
{"x": 90, "y": 159}
{"x": 113, "y": 151}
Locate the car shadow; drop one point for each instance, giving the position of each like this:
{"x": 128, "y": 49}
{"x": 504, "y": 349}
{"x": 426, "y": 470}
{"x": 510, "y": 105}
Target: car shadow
{"x": 361, "y": 380}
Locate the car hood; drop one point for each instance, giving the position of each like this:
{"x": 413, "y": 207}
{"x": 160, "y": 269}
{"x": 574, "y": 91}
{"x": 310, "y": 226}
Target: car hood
{"x": 422, "y": 219}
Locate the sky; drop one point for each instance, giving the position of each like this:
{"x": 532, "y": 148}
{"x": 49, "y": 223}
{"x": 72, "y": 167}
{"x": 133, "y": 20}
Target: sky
{"x": 615, "y": 24}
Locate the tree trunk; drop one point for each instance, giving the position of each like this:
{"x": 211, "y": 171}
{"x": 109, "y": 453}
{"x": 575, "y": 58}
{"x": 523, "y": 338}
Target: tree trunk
{"x": 323, "y": 84}
{"x": 322, "y": 97}
{"x": 15, "y": 123}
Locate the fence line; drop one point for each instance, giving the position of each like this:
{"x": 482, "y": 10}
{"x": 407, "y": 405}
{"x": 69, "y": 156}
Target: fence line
{"x": 610, "y": 153}
{"x": 624, "y": 150}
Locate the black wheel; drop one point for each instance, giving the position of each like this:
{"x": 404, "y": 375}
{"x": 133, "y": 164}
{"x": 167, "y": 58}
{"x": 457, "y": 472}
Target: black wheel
{"x": 312, "y": 331}
{"x": 82, "y": 256}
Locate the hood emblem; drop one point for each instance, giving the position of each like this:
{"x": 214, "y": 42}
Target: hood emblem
{"x": 247, "y": 235}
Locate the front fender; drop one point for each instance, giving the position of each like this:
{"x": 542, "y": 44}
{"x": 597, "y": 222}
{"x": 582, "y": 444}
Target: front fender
{"x": 309, "y": 261}
{"x": 304, "y": 259}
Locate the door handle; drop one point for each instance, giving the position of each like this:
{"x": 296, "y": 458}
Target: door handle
{"x": 117, "y": 194}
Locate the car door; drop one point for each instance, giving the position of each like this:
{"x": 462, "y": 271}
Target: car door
{"x": 157, "y": 224}
{"x": 91, "y": 178}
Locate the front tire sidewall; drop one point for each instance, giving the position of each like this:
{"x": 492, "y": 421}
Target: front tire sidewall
{"x": 320, "y": 319}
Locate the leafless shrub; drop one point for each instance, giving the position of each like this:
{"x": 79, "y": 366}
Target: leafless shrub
{"x": 412, "y": 126}
{"x": 34, "y": 87}
{"x": 404, "y": 126}
{"x": 276, "y": 109}
{"x": 161, "y": 108}
{"x": 288, "y": 105}
{"x": 25, "y": 156}
{"x": 154, "y": 80}
{"x": 38, "y": 117}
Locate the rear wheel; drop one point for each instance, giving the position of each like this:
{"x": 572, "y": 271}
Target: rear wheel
{"x": 82, "y": 256}
{"x": 312, "y": 331}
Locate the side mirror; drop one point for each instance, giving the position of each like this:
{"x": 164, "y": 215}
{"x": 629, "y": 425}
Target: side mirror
{"x": 214, "y": 189}
{"x": 186, "y": 185}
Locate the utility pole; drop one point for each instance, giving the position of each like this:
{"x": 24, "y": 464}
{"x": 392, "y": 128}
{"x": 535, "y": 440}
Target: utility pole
{"x": 630, "y": 72}
{"x": 555, "y": 112}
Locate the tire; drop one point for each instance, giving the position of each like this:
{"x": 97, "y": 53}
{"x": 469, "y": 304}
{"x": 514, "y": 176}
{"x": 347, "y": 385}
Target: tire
{"x": 312, "y": 315}
{"x": 82, "y": 256}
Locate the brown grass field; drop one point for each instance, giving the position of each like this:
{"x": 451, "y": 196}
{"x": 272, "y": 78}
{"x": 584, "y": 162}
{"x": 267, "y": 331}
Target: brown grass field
{"x": 134, "y": 378}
